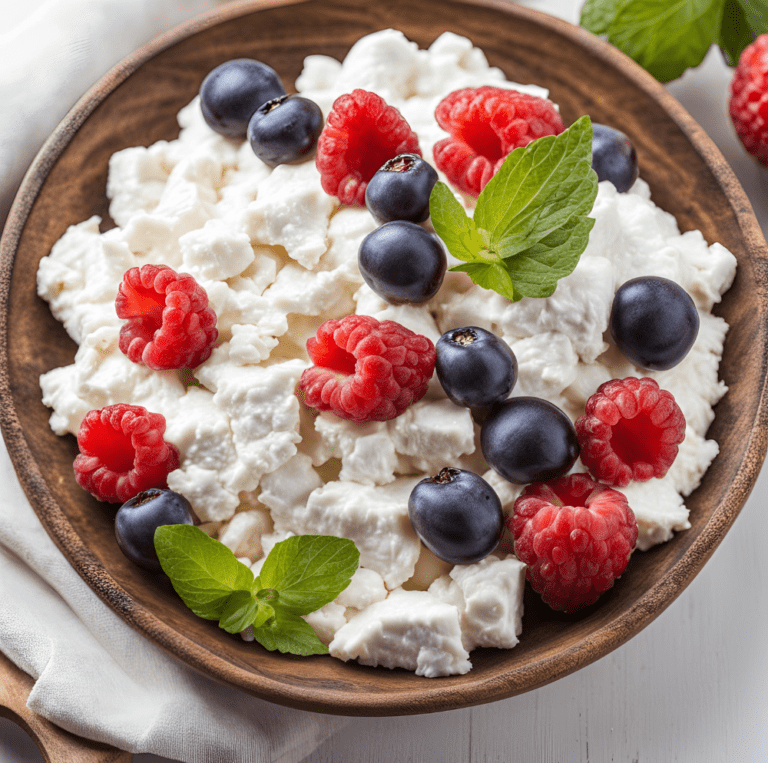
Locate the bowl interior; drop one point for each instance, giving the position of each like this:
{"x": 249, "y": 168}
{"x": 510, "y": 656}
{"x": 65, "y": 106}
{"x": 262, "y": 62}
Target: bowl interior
{"x": 136, "y": 104}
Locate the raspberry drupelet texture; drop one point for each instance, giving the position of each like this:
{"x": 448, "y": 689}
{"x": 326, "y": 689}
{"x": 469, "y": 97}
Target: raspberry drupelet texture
{"x": 361, "y": 133}
{"x": 630, "y": 430}
{"x": 748, "y": 105}
{"x": 169, "y": 322}
{"x": 122, "y": 452}
{"x": 486, "y": 124}
{"x": 576, "y": 537}
{"x": 366, "y": 370}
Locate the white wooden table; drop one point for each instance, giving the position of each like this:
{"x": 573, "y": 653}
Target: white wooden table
{"x": 690, "y": 688}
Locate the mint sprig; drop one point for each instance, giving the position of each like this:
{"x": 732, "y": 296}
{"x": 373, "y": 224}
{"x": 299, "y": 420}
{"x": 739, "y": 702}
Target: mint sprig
{"x": 299, "y": 576}
{"x": 530, "y": 224}
{"x": 666, "y": 37}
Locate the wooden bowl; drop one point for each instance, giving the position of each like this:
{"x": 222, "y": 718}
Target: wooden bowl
{"x": 137, "y": 102}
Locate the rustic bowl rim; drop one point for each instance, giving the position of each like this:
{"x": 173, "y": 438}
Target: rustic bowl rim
{"x": 430, "y": 696}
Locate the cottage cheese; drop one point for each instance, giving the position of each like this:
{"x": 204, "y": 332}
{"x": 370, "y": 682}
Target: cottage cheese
{"x": 277, "y": 257}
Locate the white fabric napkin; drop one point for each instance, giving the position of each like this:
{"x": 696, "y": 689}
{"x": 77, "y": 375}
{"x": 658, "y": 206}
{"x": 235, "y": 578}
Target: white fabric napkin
{"x": 95, "y": 676}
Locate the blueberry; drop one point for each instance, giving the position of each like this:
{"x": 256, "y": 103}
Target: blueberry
{"x": 285, "y": 130}
{"x": 475, "y": 367}
{"x": 654, "y": 322}
{"x": 402, "y": 262}
{"x": 139, "y": 517}
{"x": 613, "y": 157}
{"x": 528, "y": 439}
{"x": 400, "y": 190}
{"x": 457, "y": 515}
{"x": 232, "y": 92}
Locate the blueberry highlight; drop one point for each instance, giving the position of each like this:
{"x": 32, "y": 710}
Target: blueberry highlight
{"x": 139, "y": 517}
{"x": 475, "y": 367}
{"x": 457, "y": 515}
{"x": 232, "y": 92}
{"x": 654, "y": 322}
{"x": 529, "y": 439}
{"x": 285, "y": 130}
{"x": 402, "y": 262}
{"x": 400, "y": 190}
{"x": 614, "y": 157}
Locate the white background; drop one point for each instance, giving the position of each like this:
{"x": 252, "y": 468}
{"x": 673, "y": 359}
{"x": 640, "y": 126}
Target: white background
{"x": 691, "y": 687}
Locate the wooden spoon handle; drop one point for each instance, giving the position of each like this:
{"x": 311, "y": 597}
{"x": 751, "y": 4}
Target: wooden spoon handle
{"x": 56, "y": 744}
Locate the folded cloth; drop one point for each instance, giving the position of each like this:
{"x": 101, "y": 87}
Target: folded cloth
{"x": 95, "y": 676}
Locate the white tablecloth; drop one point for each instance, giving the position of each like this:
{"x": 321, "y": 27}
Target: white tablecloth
{"x": 691, "y": 687}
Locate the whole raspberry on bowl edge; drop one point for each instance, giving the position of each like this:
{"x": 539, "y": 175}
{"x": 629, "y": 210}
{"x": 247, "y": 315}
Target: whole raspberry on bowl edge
{"x": 748, "y": 104}
{"x": 630, "y": 430}
{"x": 366, "y": 370}
{"x": 361, "y": 134}
{"x": 576, "y": 536}
{"x": 486, "y": 124}
{"x": 169, "y": 322}
{"x": 122, "y": 452}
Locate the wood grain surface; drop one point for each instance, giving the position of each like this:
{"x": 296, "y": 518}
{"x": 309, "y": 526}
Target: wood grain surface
{"x": 136, "y": 104}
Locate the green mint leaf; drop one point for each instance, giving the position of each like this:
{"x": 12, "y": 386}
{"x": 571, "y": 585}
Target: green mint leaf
{"x": 287, "y": 632}
{"x": 666, "y": 37}
{"x": 450, "y": 221}
{"x": 536, "y": 271}
{"x": 597, "y": 15}
{"x": 538, "y": 189}
{"x": 203, "y": 571}
{"x": 491, "y": 275}
{"x": 308, "y": 571}
{"x": 240, "y": 611}
{"x": 743, "y": 21}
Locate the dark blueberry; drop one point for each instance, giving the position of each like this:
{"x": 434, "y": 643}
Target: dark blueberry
{"x": 654, "y": 322}
{"x": 400, "y": 190}
{"x": 528, "y": 439}
{"x": 232, "y": 92}
{"x": 614, "y": 157}
{"x": 475, "y": 367}
{"x": 402, "y": 262}
{"x": 457, "y": 515}
{"x": 285, "y": 130}
{"x": 138, "y": 518}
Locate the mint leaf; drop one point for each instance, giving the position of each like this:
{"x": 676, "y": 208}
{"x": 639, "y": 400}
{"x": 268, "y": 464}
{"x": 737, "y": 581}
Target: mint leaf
{"x": 742, "y": 23}
{"x": 538, "y": 189}
{"x": 596, "y": 15}
{"x": 451, "y": 223}
{"x": 289, "y": 633}
{"x": 530, "y": 224}
{"x": 308, "y": 571}
{"x": 203, "y": 571}
{"x": 240, "y": 611}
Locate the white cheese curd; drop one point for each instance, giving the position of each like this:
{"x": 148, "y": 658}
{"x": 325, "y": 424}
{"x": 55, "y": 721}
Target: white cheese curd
{"x": 277, "y": 257}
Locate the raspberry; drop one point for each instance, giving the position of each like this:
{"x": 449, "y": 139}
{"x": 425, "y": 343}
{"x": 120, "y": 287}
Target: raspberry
{"x": 366, "y": 370}
{"x": 576, "y": 537}
{"x": 122, "y": 452}
{"x": 486, "y": 124}
{"x": 749, "y": 98}
{"x": 361, "y": 133}
{"x": 630, "y": 430}
{"x": 169, "y": 322}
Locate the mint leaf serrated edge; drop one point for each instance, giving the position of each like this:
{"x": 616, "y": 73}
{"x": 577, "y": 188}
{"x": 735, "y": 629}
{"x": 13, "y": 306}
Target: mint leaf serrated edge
{"x": 289, "y": 633}
{"x": 309, "y": 571}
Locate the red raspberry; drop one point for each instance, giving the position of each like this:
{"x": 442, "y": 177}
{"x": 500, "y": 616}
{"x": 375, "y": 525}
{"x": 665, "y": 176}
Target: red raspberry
{"x": 361, "y": 133}
{"x": 749, "y": 98}
{"x": 486, "y": 124}
{"x": 366, "y": 370}
{"x": 576, "y": 537}
{"x": 122, "y": 452}
{"x": 169, "y": 322}
{"x": 630, "y": 431}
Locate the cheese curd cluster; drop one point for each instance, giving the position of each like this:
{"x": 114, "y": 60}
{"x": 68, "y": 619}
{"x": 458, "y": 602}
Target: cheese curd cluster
{"x": 277, "y": 257}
